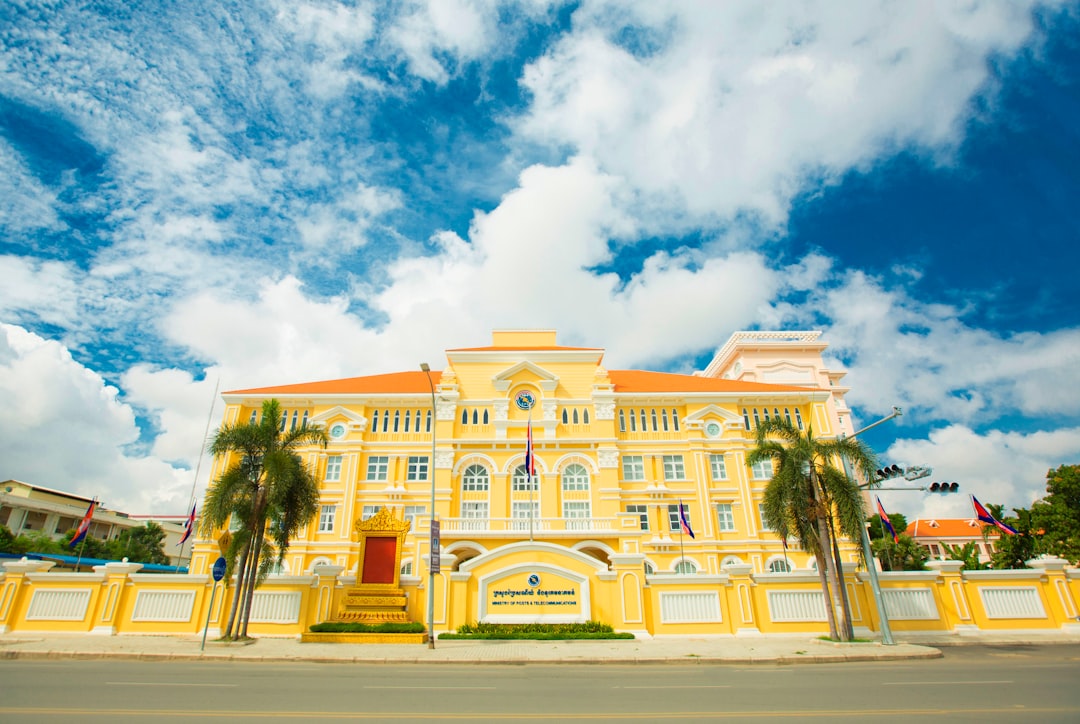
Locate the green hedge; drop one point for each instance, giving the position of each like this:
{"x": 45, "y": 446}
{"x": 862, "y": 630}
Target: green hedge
{"x": 382, "y": 628}
{"x": 537, "y": 631}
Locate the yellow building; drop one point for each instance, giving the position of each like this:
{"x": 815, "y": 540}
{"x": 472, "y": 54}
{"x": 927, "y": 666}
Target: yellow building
{"x": 616, "y": 452}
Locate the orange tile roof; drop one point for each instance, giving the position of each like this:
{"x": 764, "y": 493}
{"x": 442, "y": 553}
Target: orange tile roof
{"x": 633, "y": 381}
{"x": 395, "y": 382}
{"x": 530, "y": 348}
{"x": 642, "y": 381}
{"x": 945, "y": 528}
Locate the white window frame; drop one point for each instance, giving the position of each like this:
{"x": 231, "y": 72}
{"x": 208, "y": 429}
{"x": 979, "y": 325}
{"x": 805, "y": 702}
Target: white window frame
{"x": 761, "y": 516}
{"x": 327, "y": 516}
{"x": 642, "y": 511}
{"x": 475, "y": 478}
{"x": 418, "y": 468}
{"x": 520, "y": 479}
{"x": 674, "y": 469}
{"x": 577, "y": 514}
{"x": 474, "y": 514}
{"x": 412, "y": 512}
{"x": 333, "y": 468}
{"x": 718, "y": 466}
{"x": 378, "y": 467}
{"x": 762, "y": 470}
{"x": 575, "y": 476}
{"x": 519, "y": 513}
{"x": 369, "y": 511}
{"x": 725, "y": 517}
{"x": 633, "y": 468}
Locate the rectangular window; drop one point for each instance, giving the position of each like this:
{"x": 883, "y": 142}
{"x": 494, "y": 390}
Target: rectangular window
{"x": 633, "y": 467}
{"x": 368, "y": 511}
{"x": 519, "y": 511}
{"x": 475, "y": 515}
{"x": 725, "y": 517}
{"x": 718, "y": 466}
{"x": 673, "y": 468}
{"x": 327, "y": 513}
{"x": 762, "y": 470}
{"x": 333, "y": 468}
{"x": 418, "y": 468}
{"x": 377, "y": 467}
{"x": 761, "y": 514}
{"x": 577, "y": 515}
{"x": 412, "y": 512}
{"x": 673, "y": 517}
{"x": 642, "y": 512}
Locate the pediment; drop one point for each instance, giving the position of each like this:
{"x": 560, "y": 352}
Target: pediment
{"x": 354, "y": 419}
{"x": 713, "y": 411}
{"x": 547, "y": 381}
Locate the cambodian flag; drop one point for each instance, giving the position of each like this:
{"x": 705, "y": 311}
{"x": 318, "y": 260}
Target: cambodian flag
{"x": 84, "y": 525}
{"x": 530, "y": 462}
{"x": 189, "y": 525}
{"x": 684, "y": 521}
{"x": 986, "y": 517}
{"x": 885, "y": 521}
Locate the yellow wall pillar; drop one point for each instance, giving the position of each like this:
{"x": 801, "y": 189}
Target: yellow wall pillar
{"x": 327, "y": 593}
{"x": 743, "y": 608}
{"x": 114, "y": 591}
{"x": 627, "y": 594}
{"x": 14, "y": 587}
{"x": 1061, "y": 600}
{"x": 953, "y": 596}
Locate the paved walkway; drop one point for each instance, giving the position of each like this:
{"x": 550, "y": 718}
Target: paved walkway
{"x": 681, "y": 649}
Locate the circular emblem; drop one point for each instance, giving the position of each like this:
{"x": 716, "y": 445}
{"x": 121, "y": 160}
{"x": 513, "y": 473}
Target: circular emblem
{"x": 712, "y": 429}
{"x": 534, "y": 580}
{"x": 525, "y": 400}
{"x": 337, "y": 430}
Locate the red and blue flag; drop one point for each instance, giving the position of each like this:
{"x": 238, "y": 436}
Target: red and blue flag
{"x": 530, "y": 463}
{"x": 84, "y": 525}
{"x": 885, "y": 520}
{"x": 987, "y": 517}
{"x": 684, "y": 521}
{"x": 189, "y": 525}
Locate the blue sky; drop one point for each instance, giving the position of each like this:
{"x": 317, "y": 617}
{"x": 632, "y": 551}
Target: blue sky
{"x": 273, "y": 192}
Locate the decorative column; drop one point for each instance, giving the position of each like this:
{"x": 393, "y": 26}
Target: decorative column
{"x": 13, "y": 587}
{"x": 1062, "y": 602}
{"x": 954, "y": 600}
{"x": 741, "y": 609}
{"x": 111, "y": 599}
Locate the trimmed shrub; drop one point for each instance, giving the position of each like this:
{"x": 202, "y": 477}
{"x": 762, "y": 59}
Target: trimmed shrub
{"x": 382, "y": 628}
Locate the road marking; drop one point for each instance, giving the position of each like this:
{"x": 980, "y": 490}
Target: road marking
{"x": 167, "y": 683}
{"x": 684, "y": 686}
{"x": 939, "y": 683}
{"x": 434, "y": 688}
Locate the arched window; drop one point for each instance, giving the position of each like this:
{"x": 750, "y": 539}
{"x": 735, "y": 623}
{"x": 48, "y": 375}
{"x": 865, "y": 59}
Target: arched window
{"x": 397, "y": 420}
{"x": 575, "y": 416}
{"x": 745, "y": 419}
{"x": 585, "y": 416}
{"x": 798, "y": 418}
{"x": 642, "y": 414}
{"x": 655, "y": 427}
{"x": 685, "y": 568}
{"x": 408, "y": 420}
{"x": 295, "y": 414}
{"x": 475, "y": 478}
{"x": 664, "y": 417}
{"x": 779, "y": 565}
{"x": 731, "y": 561}
{"x": 485, "y": 417}
{"x": 374, "y": 420}
{"x": 520, "y": 479}
{"x": 428, "y": 421}
{"x": 633, "y": 422}
{"x": 675, "y": 419}
{"x": 475, "y": 417}
{"x": 575, "y": 477}
{"x": 787, "y": 415}
{"x": 406, "y": 568}
{"x": 385, "y": 420}
{"x": 464, "y": 416}
{"x": 565, "y": 417}
{"x": 622, "y": 420}
{"x": 254, "y": 417}
{"x": 765, "y": 413}
{"x": 284, "y": 420}
{"x": 303, "y": 423}
{"x": 649, "y": 569}
{"x": 757, "y": 420}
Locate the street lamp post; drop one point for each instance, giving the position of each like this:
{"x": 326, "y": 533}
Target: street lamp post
{"x": 431, "y": 549}
{"x": 868, "y": 554}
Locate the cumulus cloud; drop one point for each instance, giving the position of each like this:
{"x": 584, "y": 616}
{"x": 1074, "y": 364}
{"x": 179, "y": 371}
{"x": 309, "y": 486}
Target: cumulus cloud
{"x": 735, "y": 107}
{"x": 1002, "y": 467}
{"x": 65, "y": 428}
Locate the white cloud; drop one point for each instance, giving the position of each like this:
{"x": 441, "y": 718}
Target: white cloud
{"x": 737, "y": 106}
{"x": 997, "y": 467}
{"x": 65, "y": 428}
{"x": 46, "y": 290}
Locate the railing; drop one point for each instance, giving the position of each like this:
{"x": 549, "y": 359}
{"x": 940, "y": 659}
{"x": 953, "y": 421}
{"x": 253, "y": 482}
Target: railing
{"x": 521, "y": 525}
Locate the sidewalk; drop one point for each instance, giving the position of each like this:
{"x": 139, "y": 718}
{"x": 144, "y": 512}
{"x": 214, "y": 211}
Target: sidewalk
{"x": 689, "y": 649}
{"x": 682, "y": 649}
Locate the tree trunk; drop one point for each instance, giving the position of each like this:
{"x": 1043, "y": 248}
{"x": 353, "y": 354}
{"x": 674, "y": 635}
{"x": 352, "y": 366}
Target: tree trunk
{"x": 845, "y": 622}
{"x": 822, "y": 558}
{"x": 253, "y": 576}
{"x": 829, "y": 614}
{"x": 241, "y": 570}
{"x": 825, "y": 545}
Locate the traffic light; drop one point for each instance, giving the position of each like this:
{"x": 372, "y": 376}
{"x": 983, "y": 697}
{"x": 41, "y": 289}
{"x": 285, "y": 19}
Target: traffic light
{"x": 944, "y": 487}
{"x": 889, "y": 471}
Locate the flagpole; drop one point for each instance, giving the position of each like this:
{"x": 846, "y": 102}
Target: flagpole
{"x": 530, "y": 455}
{"x": 682, "y": 534}
{"x": 82, "y": 541}
{"x": 198, "y": 467}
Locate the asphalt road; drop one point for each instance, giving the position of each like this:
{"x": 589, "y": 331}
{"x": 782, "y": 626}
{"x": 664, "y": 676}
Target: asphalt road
{"x": 972, "y": 683}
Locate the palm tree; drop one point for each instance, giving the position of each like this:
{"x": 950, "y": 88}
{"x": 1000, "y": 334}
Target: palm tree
{"x": 813, "y": 501}
{"x": 269, "y": 490}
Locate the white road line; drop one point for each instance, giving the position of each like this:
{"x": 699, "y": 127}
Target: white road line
{"x": 167, "y": 683}
{"x": 938, "y": 683}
